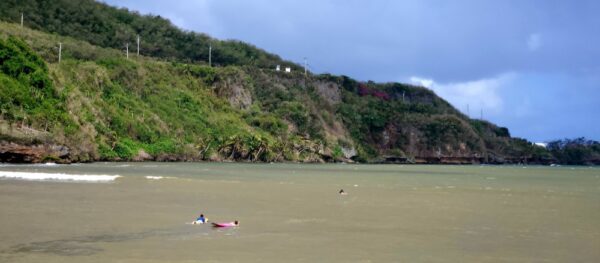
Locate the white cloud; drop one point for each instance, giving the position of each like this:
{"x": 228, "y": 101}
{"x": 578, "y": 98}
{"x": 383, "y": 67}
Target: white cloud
{"x": 479, "y": 95}
{"x": 534, "y": 42}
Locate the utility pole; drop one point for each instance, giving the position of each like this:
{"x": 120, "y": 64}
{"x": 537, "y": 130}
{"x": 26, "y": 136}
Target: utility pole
{"x": 127, "y": 50}
{"x": 210, "y": 55}
{"x": 305, "y": 66}
{"x": 21, "y": 19}
{"x": 59, "y": 51}
{"x": 138, "y": 45}
{"x": 481, "y": 114}
{"x": 403, "y": 96}
{"x": 468, "y": 113}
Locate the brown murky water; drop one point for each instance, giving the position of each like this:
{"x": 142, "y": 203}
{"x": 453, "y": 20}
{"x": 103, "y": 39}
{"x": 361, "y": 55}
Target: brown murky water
{"x": 293, "y": 213}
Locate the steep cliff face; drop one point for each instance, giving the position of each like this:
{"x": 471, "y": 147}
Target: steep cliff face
{"x": 233, "y": 85}
{"x": 396, "y": 122}
{"x": 389, "y": 122}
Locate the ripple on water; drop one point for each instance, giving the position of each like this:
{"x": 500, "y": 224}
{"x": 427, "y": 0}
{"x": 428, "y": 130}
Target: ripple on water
{"x": 84, "y": 245}
{"x": 304, "y": 220}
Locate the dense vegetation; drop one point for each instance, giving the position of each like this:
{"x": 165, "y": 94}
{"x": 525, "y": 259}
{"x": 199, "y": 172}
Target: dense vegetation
{"x": 27, "y": 95}
{"x": 102, "y": 25}
{"x": 106, "y": 107}
{"x": 575, "y": 151}
{"x": 103, "y": 106}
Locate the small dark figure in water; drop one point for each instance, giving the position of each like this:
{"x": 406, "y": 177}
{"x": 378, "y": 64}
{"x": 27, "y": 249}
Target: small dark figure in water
{"x": 342, "y": 192}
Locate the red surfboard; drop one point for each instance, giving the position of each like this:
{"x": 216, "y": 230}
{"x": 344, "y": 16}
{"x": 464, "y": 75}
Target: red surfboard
{"x": 227, "y": 224}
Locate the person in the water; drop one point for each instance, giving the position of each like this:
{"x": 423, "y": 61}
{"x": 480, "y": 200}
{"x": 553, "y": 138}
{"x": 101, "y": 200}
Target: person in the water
{"x": 342, "y": 192}
{"x": 200, "y": 220}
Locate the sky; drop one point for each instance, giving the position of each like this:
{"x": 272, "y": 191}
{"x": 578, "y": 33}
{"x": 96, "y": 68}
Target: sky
{"x": 530, "y": 66}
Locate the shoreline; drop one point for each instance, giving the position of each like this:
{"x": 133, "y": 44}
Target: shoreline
{"x": 15, "y": 153}
{"x": 297, "y": 162}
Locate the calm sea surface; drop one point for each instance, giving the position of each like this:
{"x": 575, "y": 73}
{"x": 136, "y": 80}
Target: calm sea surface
{"x": 293, "y": 213}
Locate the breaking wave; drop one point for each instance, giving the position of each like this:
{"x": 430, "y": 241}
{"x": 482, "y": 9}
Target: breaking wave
{"x": 57, "y": 177}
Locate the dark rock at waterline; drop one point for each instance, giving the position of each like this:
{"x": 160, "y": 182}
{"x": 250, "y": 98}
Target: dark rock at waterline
{"x": 11, "y": 152}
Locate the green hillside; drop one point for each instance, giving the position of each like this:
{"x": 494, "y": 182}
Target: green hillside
{"x": 111, "y": 108}
{"x": 106, "y": 26}
{"x": 98, "y": 105}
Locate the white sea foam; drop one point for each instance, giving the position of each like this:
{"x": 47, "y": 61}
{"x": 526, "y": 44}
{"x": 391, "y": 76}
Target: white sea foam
{"x": 156, "y": 177}
{"x": 150, "y": 177}
{"x": 57, "y": 177}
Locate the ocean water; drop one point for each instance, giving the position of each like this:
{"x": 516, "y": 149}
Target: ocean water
{"x": 142, "y": 212}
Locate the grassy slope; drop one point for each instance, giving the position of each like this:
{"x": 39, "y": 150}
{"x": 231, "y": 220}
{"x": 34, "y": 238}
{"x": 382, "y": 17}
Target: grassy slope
{"x": 173, "y": 111}
{"x": 119, "y": 106}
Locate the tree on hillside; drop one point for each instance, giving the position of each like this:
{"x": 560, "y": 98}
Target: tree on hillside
{"x": 575, "y": 151}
